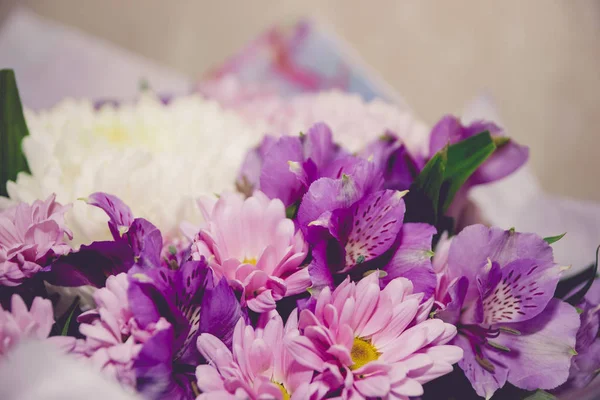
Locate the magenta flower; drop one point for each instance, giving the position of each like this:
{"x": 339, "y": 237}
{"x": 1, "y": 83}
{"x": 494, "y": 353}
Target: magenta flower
{"x": 497, "y": 287}
{"x": 253, "y": 245}
{"x": 259, "y": 367}
{"x": 21, "y": 323}
{"x": 30, "y": 236}
{"x": 368, "y": 342}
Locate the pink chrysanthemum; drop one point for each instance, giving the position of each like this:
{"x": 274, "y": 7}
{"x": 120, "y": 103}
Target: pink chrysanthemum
{"x": 254, "y": 245}
{"x": 260, "y": 367}
{"x": 29, "y": 236}
{"x": 21, "y": 323}
{"x": 369, "y": 342}
{"x": 112, "y": 336}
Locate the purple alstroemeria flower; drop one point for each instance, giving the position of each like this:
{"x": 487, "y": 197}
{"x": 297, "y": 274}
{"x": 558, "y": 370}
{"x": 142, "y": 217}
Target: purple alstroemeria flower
{"x": 289, "y": 165}
{"x": 136, "y": 241}
{"x": 355, "y": 227}
{"x": 190, "y": 300}
{"x": 585, "y": 366}
{"x": 498, "y": 289}
{"x": 391, "y": 156}
{"x": 508, "y": 157}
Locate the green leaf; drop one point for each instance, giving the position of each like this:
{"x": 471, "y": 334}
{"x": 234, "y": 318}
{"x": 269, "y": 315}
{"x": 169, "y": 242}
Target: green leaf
{"x": 554, "y": 239}
{"x": 65, "y": 328}
{"x": 422, "y": 200}
{"x": 463, "y": 159}
{"x": 291, "y": 210}
{"x": 540, "y": 395}
{"x": 435, "y": 187}
{"x": 12, "y": 130}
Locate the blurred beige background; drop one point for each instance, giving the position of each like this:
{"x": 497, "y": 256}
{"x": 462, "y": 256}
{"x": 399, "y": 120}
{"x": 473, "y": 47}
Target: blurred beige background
{"x": 540, "y": 60}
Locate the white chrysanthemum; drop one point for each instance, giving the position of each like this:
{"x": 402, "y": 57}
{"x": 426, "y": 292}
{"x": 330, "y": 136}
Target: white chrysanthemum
{"x": 157, "y": 158}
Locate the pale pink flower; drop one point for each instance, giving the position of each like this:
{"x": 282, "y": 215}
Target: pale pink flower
{"x": 30, "y": 235}
{"x": 113, "y": 338}
{"x": 370, "y": 342}
{"x": 254, "y": 245}
{"x": 21, "y": 323}
{"x": 260, "y": 367}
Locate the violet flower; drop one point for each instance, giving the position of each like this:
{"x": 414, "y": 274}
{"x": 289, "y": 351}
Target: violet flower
{"x": 508, "y": 157}
{"x": 190, "y": 301}
{"x": 355, "y": 227}
{"x": 136, "y": 241}
{"x": 290, "y": 164}
{"x": 497, "y": 288}
{"x": 585, "y": 366}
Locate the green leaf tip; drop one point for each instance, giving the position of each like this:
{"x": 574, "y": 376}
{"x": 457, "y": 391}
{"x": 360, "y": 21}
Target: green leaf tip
{"x": 554, "y": 239}
{"x": 13, "y": 129}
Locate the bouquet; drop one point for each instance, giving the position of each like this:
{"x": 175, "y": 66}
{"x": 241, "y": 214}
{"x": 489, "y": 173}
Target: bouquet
{"x": 179, "y": 253}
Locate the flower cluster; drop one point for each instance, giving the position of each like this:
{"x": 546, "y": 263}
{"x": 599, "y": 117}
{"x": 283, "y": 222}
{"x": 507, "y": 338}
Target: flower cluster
{"x": 334, "y": 272}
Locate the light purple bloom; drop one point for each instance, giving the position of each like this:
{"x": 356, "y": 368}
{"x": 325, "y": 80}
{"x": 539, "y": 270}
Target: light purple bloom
{"x": 585, "y": 366}
{"x": 292, "y": 163}
{"x": 355, "y": 228}
{"x": 31, "y": 236}
{"x": 392, "y": 157}
{"x": 509, "y": 156}
{"x": 497, "y": 287}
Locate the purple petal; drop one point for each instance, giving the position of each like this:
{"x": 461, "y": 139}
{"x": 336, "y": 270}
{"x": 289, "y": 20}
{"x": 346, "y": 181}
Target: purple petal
{"x": 474, "y": 245}
{"x": 151, "y": 295}
{"x": 190, "y": 282}
{"x": 220, "y": 312}
{"x": 356, "y": 178}
{"x": 154, "y": 364}
{"x": 252, "y": 165}
{"x": 540, "y": 356}
{"x": 326, "y": 194}
{"x": 454, "y": 301}
{"x": 507, "y": 158}
{"x": 376, "y": 222}
{"x": 521, "y": 293}
{"x": 146, "y": 242}
{"x": 448, "y": 130}
{"x": 91, "y": 265}
{"x": 585, "y": 366}
{"x": 276, "y": 178}
{"x": 484, "y": 381}
{"x": 119, "y": 213}
{"x": 319, "y": 145}
{"x": 412, "y": 259}
{"x": 318, "y": 269}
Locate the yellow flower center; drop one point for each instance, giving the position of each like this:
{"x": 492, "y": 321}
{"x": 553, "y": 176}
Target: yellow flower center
{"x": 362, "y": 353}
{"x": 115, "y": 134}
{"x": 284, "y": 392}
{"x": 249, "y": 261}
